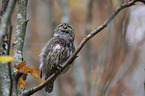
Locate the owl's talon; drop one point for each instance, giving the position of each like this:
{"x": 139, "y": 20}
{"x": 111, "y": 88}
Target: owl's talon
{"x": 59, "y": 68}
{"x": 56, "y": 68}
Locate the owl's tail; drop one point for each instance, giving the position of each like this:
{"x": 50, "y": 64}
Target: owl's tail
{"x": 49, "y": 86}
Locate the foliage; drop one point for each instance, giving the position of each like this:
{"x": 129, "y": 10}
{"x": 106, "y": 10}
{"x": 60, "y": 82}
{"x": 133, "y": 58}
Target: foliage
{"x": 25, "y": 69}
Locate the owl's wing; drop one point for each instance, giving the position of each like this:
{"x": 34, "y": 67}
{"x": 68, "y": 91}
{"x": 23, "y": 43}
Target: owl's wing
{"x": 54, "y": 56}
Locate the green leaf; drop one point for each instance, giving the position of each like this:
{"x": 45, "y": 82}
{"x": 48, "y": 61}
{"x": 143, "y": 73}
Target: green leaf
{"x": 6, "y": 58}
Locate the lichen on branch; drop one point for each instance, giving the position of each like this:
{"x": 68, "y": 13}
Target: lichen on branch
{"x": 20, "y": 31}
{"x": 20, "y": 34}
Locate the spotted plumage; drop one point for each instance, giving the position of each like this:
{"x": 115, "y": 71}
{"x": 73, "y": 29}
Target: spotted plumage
{"x": 57, "y": 50}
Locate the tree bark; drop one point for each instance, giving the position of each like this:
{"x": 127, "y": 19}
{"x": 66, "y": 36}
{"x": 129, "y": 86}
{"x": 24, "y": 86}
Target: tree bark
{"x": 19, "y": 37}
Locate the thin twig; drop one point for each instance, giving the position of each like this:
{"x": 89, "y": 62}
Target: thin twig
{"x": 9, "y": 64}
{"x": 9, "y": 37}
{"x": 11, "y": 79}
{"x": 73, "y": 56}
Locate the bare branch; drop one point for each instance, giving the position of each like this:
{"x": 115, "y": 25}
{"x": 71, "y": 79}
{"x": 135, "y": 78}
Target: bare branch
{"x": 5, "y": 18}
{"x": 4, "y": 21}
{"x": 20, "y": 31}
{"x": 19, "y": 37}
{"x": 83, "y": 42}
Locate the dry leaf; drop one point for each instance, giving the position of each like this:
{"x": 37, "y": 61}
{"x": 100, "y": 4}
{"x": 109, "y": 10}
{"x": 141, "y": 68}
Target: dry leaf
{"x": 23, "y": 63}
{"x": 23, "y": 68}
{"x": 28, "y": 67}
{"x": 21, "y": 83}
{"x": 34, "y": 73}
{"x": 21, "y": 71}
{"x": 27, "y": 71}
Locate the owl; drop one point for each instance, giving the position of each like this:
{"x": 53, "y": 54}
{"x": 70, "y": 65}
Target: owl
{"x": 55, "y": 53}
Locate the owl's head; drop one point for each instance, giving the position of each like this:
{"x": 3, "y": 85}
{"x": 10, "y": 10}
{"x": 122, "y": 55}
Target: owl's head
{"x": 65, "y": 31}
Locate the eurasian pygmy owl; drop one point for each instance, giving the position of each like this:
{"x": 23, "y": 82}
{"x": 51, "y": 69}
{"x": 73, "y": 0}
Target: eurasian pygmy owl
{"x": 57, "y": 51}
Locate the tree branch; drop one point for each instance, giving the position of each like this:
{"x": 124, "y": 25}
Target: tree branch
{"x": 19, "y": 37}
{"x": 20, "y": 31}
{"x": 5, "y": 80}
{"x": 5, "y": 18}
{"x": 83, "y": 42}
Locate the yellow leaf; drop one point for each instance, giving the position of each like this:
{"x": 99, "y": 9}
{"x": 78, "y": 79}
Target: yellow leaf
{"x": 28, "y": 67}
{"x": 23, "y": 63}
{"x": 20, "y": 71}
{"x": 31, "y": 69}
{"x": 27, "y": 71}
{"x": 21, "y": 83}
{"x": 34, "y": 73}
{"x": 6, "y": 59}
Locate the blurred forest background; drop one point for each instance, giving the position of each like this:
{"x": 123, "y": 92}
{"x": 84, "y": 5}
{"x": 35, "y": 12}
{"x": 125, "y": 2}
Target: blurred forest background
{"x": 112, "y": 63}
